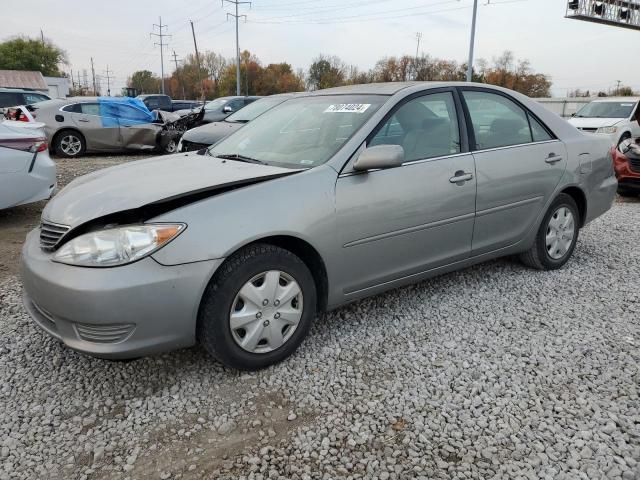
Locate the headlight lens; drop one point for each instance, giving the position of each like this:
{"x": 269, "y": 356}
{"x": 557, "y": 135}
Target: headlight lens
{"x": 117, "y": 246}
{"x": 607, "y": 130}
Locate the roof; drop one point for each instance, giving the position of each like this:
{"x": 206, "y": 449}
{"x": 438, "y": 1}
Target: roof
{"x": 22, "y": 79}
{"x": 388, "y": 88}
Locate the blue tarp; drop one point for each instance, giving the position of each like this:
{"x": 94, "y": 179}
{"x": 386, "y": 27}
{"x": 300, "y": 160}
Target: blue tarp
{"x": 116, "y": 111}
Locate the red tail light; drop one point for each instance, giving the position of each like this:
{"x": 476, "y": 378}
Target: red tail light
{"x": 32, "y": 144}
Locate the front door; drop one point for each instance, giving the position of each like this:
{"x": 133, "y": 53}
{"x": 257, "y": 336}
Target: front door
{"x": 403, "y": 221}
{"x": 518, "y": 163}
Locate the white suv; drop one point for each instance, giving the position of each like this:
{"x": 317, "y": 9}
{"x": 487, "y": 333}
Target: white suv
{"x": 614, "y": 117}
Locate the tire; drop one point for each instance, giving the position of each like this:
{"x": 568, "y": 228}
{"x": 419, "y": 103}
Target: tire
{"x": 69, "y": 144}
{"x": 244, "y": 270}
{"x": 628, "y": 193}
{"x": 172, "y": 147}
{"x": 549, "y": 257}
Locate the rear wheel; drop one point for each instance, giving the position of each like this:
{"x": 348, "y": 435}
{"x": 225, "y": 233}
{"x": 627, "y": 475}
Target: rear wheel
{"x": 258, "y": 308}
{"x": 557, "y": 236}
{"x": 70, "y": 144}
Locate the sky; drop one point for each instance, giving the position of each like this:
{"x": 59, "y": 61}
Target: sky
{"x": 574, "y": 54}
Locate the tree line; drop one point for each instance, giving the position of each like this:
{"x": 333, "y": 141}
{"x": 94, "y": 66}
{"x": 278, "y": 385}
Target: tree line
{"x": 216, "y": 76}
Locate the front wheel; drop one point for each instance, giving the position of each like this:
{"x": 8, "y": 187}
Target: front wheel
{"x": 258, "y": 308}
{"x": 624, "y": 138}
{"x": 557, "y": 236}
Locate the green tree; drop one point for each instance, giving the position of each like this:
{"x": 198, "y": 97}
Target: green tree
{"x": 144, "y": 81}
{"x": 326, "y": 72}
{"x": 23, "y": 53}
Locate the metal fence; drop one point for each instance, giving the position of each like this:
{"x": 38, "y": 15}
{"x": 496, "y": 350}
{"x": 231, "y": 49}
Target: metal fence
{"x": 565, "y": 107}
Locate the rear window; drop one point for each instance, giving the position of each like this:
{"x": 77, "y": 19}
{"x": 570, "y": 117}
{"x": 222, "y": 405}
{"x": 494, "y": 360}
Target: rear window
{"x": 10, "y": 99}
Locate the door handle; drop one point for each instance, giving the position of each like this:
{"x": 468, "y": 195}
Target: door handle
{"x": 553, "y": 158}
{"x": 83, "y": 120}
{"x": 461, "y": 177}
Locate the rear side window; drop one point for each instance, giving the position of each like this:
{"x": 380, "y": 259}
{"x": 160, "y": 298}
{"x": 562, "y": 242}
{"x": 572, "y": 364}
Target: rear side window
{"x": 73, "y": 108}
{"x": 500, "y": 122}
{"x": 90, "y": 109}
{"x": 31, "y": 98}
{"x": 538, "y": 132}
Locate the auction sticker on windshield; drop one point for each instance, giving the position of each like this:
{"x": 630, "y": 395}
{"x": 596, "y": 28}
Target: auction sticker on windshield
{"x": 348, "y": 108}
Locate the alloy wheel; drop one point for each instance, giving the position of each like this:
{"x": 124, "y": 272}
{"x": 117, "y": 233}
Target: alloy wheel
{"x": 560, "y": 233}
{"x": 266, "y": 312}
{"x": 70, "y": 145}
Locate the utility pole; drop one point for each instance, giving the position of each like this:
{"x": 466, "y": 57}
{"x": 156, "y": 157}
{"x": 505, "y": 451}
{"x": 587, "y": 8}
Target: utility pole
{"x": 237, "y": 17}
{"x": 42, "y": 36}
{"x": 473, "y": 40}
{"x": 195, "y": 44}
{"x": 418, "y": 37}
{"x": 109, "y": 77}
{"x": 93, "y": 76}
{"x": 618, "y": 87}
{"x": 175, "y": 59}
{"x": 161, "y": 36}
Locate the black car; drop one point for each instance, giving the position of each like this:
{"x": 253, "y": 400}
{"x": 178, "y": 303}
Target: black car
{"x": 12, "y": 97}
{"x": 208, "y": 134}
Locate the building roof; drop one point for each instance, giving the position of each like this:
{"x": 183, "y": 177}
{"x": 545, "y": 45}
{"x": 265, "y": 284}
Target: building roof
{"x": 22, "y": 79}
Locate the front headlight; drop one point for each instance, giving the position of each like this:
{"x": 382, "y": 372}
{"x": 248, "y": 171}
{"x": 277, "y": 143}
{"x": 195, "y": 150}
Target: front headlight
{"x": 607, "y": 130}
{"x": 117, "y": 246}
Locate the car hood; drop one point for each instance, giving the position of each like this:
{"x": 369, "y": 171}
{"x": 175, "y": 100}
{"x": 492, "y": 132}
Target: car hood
{"x": 150, "y": 182}
{"x": 579, "y": 122}
{"x": 211, "y": 132}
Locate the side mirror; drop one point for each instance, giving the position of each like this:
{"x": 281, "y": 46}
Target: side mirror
{"x": 227, "y": 109}
{"x": 378, "y": 157}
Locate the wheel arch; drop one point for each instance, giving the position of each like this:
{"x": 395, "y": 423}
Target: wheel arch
{"x": 54, "y": 138}
{"x": 580, "y": 198}
{"x": 310, "y": 256}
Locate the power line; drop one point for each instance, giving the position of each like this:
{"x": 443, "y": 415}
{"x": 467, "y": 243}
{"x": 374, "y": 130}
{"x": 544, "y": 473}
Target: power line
{"x": 108, "y": 77}
{"x": 161, "y": 36}
{"x": 237, "y": 17}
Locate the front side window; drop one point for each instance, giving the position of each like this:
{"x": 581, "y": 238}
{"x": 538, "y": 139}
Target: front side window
{"x": 216, "y": 104}
{"x": 497, "y": 121}
{"x": 10, "y": 99}
{"x": 426, "y": 127}
{"x": 31, "y": 98}
{"x": 301, "y": 132}
{"x": 250, "y": 112}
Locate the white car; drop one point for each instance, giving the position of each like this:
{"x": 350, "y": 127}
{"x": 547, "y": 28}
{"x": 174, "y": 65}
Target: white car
{"x": 614, "y": 117}
{"x": 27, "y": 173}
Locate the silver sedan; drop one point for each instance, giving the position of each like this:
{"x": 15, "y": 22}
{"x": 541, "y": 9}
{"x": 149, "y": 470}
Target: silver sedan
{"x": 329, "y": 197}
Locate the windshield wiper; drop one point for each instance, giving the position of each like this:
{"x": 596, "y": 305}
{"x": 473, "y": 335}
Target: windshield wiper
{"x": 239, "y": 158}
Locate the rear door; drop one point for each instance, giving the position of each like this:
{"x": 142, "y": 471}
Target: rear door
{"x": 101, "y": 133}
{"x": 519, "y": 163}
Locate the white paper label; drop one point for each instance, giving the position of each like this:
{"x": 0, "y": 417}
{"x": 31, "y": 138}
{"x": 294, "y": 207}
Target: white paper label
{"x": 348, "y": 108}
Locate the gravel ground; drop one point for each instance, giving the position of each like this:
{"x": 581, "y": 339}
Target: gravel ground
{"x": 493, "y": 372}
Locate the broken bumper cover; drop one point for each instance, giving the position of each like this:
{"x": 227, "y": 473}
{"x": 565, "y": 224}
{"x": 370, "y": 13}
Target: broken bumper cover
{"x": 123, "y": 312}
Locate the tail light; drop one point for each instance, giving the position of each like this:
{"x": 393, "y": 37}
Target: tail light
{"x": 30, "y": 144}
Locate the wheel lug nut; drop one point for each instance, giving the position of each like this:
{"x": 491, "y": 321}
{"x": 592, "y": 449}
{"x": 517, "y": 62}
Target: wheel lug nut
{"x": 276, "y": 303}
{"x": 259, "y": 315}
{"x": 265, "y": 303}
{"x": 277, "y": 315}
{"x": 266, "y": 323}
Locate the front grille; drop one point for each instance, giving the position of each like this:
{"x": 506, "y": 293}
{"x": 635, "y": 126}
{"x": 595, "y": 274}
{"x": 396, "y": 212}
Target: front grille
{"x": 634, "y": 164}
{"x": 51, "y": 234}
{"x": 103, "y": 333}
{"x": 188, "y": 146}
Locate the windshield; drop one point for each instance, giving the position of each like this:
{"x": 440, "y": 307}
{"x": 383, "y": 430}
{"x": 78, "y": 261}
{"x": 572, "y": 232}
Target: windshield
{"x": 302, "y": 132}
{"x": 606, "y": 110}
{"x": 254, "y": 109}
{"x": 215, "y": 104}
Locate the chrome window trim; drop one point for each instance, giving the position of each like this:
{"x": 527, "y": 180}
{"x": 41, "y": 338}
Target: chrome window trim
{"x": 515, "y": 146}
